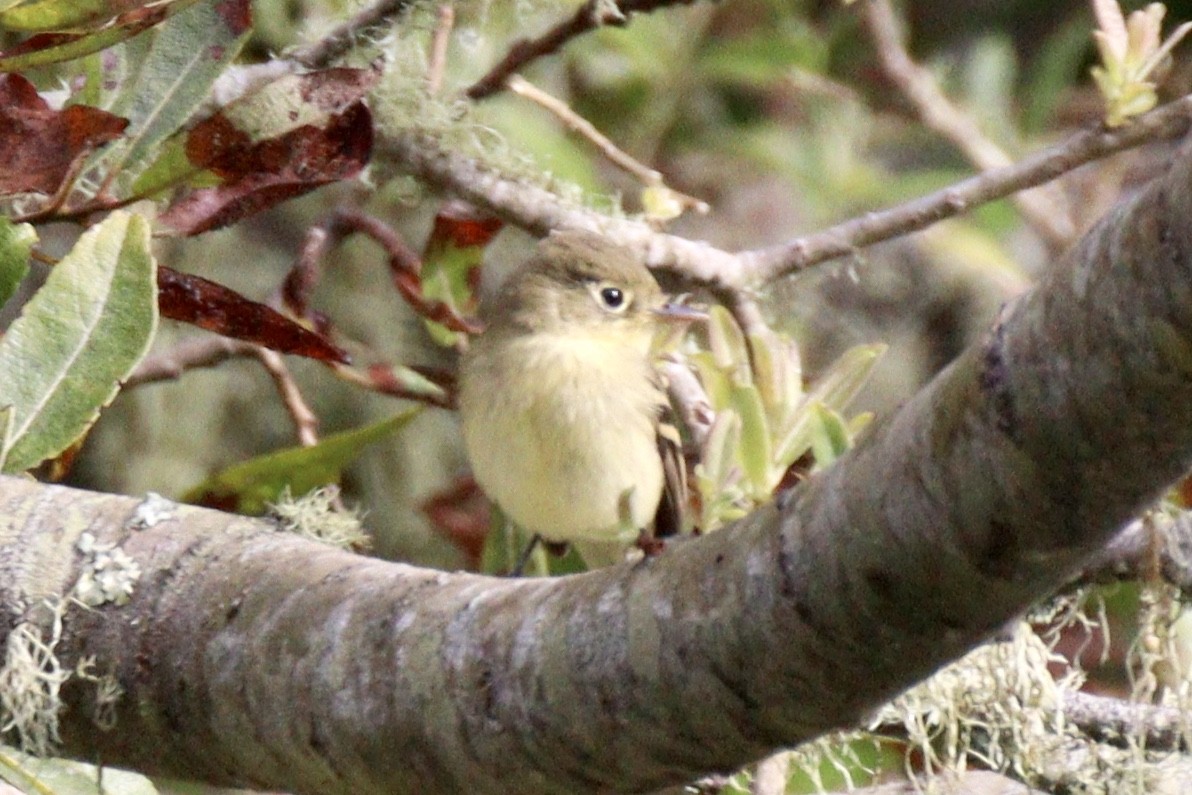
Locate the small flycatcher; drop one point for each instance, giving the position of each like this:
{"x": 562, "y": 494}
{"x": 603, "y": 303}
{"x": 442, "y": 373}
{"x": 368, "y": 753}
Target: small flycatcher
{"x": 561, "y": 404}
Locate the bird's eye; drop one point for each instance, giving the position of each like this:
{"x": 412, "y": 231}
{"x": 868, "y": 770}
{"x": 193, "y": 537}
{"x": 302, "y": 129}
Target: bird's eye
{"x": 612, "y": 297}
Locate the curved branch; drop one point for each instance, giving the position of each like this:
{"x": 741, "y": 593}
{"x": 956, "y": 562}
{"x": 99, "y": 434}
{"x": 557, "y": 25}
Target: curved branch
{"x": 988, "y": 490}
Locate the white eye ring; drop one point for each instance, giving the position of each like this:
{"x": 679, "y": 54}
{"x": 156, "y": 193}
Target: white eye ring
{"x": 610, "y": 297}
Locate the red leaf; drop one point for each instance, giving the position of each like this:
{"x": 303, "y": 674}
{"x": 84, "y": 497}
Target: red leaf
{"x": 40, "y": 146}
{"x": 211, "y": 306}
{"x": 260, "y": 175}
{"x": 237, "y": 15}
{"x": 461, "y": 514}
{"x": 463, "y": 226}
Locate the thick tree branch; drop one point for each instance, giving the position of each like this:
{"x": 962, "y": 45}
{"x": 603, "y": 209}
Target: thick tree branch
{"x": 248, "y": 656}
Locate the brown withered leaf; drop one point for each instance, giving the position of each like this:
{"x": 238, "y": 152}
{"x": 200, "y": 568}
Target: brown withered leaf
{"x": 208, "y": 305}
{"x": 261, "y": 174}
{"x": 463, "y": 515}
{"x": 39, "y": 146}
{"x": 463, "y": 226}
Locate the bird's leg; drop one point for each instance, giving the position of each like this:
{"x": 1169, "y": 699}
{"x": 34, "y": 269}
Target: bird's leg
{"x": 640, "y": 537}
{"x": 649, "y": 544}
{"x": 524, "y": 558}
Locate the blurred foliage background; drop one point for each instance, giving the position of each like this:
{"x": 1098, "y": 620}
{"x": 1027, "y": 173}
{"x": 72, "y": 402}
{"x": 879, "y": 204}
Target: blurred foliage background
{"x": 775, "y": 112}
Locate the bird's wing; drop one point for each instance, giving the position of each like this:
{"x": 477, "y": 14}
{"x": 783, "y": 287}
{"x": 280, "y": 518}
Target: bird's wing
{"x": 668, "y": 520}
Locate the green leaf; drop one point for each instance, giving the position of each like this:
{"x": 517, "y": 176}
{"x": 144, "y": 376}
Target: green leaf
{"x": 62, "y": 15}
{"x": 715, "y": 381}
{"x": 719, "y": 454}
{"x": 830, "y": 438}
{"x": 451, "y": 262}
{"x": 16, "y": 241}
{"x": 66, "y": 47}
{"x": 186, "y": 55}
{"x": 778, "y": 374}
{"x": 726, "y": 341}
{"x": 755, "y": 450}
{"x": 106, "y": 73}
{"x": 5, "y": 433}
{"x": 834, "y": 389}
{"x": 85, "y": 329}
{"x": 253, "y": 484}
{"x": 51, "y": 776}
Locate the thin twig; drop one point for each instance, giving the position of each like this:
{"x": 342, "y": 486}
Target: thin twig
{"x": 539, "y": 210}
{"x": 190, "y": 354}
{"x": 617, "y": 156}
{"x": 1044, "y": 209}
{"x": 1116, "y": 722}
{"x": 306, "y": 423}
{"x": 1169, "y": 121}
{"x": 1158, "y": 546}
{"x": 295, "y": 290}
{"x": 689, "y": 398}
{"x": 444, "y": 21}
{"x": 404, "y": 265}
{"x": 322, "y": 52}
{"x": 591, "y": 15}
{"x": 398, "y": 382}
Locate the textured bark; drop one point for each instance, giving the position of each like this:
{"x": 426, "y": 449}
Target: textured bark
{"x": 252, "y": 657}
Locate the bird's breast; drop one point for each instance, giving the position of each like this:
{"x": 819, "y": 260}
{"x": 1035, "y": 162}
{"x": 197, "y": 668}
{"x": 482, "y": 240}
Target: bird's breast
{"x": 559, "y": 429}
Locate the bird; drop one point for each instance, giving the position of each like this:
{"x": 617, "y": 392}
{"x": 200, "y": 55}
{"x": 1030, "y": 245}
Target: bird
{"x": 564, "y": 416}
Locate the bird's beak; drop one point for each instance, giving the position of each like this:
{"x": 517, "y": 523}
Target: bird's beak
{"x": 679, "y": 313}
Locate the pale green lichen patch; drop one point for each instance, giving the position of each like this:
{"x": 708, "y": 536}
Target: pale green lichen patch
{"x": 108, "y": 573}
{"x": 152, "y": 511}
{"x": 319, "y": 516}
{"x": 30, "y": 681}
{"x": 108, "y": 693}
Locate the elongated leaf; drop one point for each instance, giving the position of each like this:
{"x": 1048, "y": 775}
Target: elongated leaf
{"x": 248, "y": 487}
{"x": 206, "y": 304}
{"x": 830, "y": 436}
{"x": 62, "y": 15}
{"x": 16, "y": 241}
{"x": 716, "y": 381}
{"x": 40, "y": 775}
{"x": 834, "y": 389}
{"x": 85, "y": 329}
{"x": 5, "y": 433}
{"x": 276, "y": 170}
{"x": 47, "y": 48}
{"x": 187, "y": 54}
{"x": 756, "y": 448}
{"x": 778, "y": 375}
{"x": 726, "y": 342}
{"x": 228, "y": 145}
{"x": 106, "y": 73}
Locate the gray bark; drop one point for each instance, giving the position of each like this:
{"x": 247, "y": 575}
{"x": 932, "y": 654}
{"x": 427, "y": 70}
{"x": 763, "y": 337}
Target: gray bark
{"x": 250, "y": 657}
